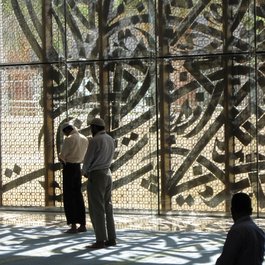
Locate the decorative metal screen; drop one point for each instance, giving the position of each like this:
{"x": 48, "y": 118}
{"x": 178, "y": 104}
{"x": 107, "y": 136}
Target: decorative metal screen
{"x": 180, "y": 85}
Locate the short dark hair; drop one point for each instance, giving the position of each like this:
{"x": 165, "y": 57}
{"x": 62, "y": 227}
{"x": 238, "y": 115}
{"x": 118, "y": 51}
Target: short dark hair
{"x": 241, "y": 203}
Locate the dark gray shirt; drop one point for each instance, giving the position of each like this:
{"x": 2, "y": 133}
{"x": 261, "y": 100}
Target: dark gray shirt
{"x": 244, "y": 244}
{"x": 99, "y": 153}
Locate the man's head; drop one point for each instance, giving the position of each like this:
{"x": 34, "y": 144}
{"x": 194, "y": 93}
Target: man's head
{"x": 67, "y": 128}
{"x": 240, "y": 205}
{"x": 97, "y": 125}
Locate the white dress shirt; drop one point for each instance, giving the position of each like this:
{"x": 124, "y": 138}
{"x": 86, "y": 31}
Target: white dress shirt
{"x": 74, "y": 147}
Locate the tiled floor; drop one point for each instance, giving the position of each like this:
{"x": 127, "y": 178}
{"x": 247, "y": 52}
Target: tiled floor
{"x": 37, "y": 238}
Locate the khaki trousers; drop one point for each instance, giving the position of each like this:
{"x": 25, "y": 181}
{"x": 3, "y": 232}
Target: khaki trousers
{"x": 100, "y": 206}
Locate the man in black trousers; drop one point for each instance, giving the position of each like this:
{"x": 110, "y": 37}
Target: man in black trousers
{"x": 72, "y": 154}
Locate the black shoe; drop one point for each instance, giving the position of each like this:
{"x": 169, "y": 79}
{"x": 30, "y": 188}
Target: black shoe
{"x": 110, "y": 243}
{"x": 81, "y": 229}
{"x": 97, "y": 245}
{"x": 71, "y": 231}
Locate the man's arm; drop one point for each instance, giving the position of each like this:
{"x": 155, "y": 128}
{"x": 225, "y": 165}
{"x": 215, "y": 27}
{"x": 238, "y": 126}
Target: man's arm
{"x": 89, "y": 157}
{"x": 66, "y": 149}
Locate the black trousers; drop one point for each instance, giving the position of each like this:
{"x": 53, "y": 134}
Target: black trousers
{"x": 74, "y": 206}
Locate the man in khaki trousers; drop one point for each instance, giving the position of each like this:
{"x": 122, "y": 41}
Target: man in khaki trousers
{"x": 96, "y": 167}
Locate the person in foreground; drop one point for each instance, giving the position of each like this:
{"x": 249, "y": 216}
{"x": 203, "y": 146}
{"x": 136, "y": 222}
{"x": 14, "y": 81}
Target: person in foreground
{"x": 245, "y": 241}
{"x": 72, "y": 154}
{"x": 96, "y": 168}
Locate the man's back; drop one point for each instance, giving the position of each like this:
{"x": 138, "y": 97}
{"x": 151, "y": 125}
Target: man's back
{"x": 99, "y": 153}
{"x": 74, "y": 147}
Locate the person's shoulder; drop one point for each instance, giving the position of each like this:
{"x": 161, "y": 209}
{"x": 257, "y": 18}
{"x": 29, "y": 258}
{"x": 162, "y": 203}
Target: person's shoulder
{"x": 245, "y": 224}
{"x": 110, "y": 137}
{"x": 83, "y": 136}
{"x": 84, "y": 140}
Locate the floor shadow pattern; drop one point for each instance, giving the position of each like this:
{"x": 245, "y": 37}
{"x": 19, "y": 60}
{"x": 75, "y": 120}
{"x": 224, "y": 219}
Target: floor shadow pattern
{"x": 39, "y": 239}
{"x": 49, "y": 245}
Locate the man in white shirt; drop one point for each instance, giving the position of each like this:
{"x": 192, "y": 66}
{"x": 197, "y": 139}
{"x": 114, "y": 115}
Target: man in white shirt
{"x": 245, "y": 241}
{"x": 96, "y": 168}
{"x": 72, "y": 154}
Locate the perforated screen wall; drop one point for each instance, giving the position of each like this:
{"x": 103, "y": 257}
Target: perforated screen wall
{"x": 180, "y": 85}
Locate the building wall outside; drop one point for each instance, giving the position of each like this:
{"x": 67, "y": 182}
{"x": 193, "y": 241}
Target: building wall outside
{"x": 180, "y": 85}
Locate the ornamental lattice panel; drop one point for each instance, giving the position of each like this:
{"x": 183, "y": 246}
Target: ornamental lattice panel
{"x": 179, "y": 84}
